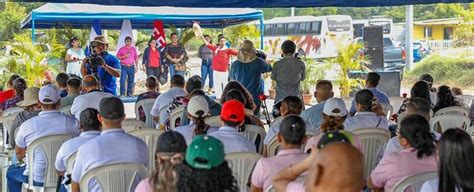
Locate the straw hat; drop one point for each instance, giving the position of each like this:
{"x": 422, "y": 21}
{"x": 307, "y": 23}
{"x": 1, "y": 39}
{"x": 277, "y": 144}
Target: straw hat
{"x": 100, "y": 39}
{"x": 247, "y": 52}
{"x": 30, "y": 97}
{"x": 197, "y": 30}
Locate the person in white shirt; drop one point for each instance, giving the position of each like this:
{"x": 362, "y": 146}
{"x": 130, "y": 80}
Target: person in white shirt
{"x": 113, "y": 145}
{"x": 92, "y": 98}
{"x": 369, "y": 113}
{"x": 49, "y": 122}
{"x": 456, "y": 167}
{"x": 90, "y": 128}
{"x": 177, "y": 89}
{"x": 198, "y": 110}
{"x": 232, "y": 117}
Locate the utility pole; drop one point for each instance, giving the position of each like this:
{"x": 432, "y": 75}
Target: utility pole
{"x": 409, "y": 37}
{"x": 292, "y": 11}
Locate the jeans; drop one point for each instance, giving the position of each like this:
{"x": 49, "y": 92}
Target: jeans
{"x": 15, "y": 178}
{"x": 127, "y": 73}
{"x": 172, "y": 71}
{"x": 207, "y": 70}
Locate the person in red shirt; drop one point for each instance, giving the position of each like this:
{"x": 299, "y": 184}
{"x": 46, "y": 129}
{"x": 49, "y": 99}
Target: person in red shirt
{"x": 151, "y": 59}
{"x": 9, "y": 93}
{"x": 220, "y": 62}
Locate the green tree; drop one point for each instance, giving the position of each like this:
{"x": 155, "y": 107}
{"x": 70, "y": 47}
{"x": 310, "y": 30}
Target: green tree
{"x": 10, "y": 19}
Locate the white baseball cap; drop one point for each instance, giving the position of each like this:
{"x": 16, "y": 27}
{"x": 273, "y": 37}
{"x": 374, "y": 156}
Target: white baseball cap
{"x": 49, "y": 94}
{"x": 335, "y": 107}
{"x": 198, "y": 103}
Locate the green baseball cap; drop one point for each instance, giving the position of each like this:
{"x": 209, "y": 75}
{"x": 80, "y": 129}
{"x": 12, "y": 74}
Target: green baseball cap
{"x": 205, "y": 152}
{"x": 335, "y": 136}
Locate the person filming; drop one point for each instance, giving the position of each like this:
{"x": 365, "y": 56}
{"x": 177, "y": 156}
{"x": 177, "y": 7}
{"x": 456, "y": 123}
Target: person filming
{"x": 103, "y": 65}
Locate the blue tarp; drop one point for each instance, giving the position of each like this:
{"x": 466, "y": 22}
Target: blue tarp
{"x": 257, "y": 3}
{"x": 58, "y": 15}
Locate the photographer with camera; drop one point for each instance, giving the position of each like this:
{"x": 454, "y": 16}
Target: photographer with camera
{"x": 103, "y": 65}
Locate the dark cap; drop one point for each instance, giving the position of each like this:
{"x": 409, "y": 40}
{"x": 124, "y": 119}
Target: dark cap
{"x": 111, "y": 108}
{"x": 171, "y": 142}
{"x": 335, "y": 136}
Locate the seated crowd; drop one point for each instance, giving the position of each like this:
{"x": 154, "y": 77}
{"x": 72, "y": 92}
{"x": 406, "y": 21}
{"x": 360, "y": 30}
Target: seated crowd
{"x": 319, "y": 148}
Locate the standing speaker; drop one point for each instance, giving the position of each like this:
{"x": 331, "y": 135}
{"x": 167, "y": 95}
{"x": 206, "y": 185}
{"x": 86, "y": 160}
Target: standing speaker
{"x": 376, "y": 58}
{"x": 373, "y": 36}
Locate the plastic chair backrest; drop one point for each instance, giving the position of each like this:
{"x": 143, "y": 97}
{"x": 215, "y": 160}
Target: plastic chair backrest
{"x": 175, "y": 115}
{"x": 372, "y": 140}
{"x": 146, "y": 105}
{"x": 12, "y": 110}
{"x": 414, "y": 182}
{"x": 388, "y": 110}
{"x": 242, "y": 165}
{"x": 66, "y": 109}
{"x": 277, "y": 121}
{"x": 447, "y": 121}
{"x": 273, "y": 146}
{"x": 132, "y": 124}
{"x": 49, "y": 145}
{"x": 8, "y": 116}
{"x": 252, "y": 133}
{"x": 214, "y": 121}
{"x": 116, "y": 177}
{"x": 70, "y": 162}
{"x": 453, "y": 110}
{"x": 466, "y": 100}
{"x": 162, "y": 111}
{"x": 150, "y": 137}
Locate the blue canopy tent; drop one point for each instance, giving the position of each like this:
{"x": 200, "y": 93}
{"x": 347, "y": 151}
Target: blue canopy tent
{"x": 257, "y": 3}
{"x": 59, "y": 15}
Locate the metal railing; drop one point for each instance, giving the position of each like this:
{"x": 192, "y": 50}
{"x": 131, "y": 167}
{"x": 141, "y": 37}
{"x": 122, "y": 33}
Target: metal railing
{"x": 440, "y": 44}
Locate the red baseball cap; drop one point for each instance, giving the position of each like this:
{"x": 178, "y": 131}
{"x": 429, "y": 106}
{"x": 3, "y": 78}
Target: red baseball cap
{"x": 233, "y": 111}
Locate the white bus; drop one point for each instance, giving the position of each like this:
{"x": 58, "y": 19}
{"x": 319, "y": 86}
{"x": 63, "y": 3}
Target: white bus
{"x": 386, "y": 23}
{"x": 315, "y": 37}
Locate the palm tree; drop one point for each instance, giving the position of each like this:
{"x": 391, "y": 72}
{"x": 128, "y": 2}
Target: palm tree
{"x": 349, "y": 58}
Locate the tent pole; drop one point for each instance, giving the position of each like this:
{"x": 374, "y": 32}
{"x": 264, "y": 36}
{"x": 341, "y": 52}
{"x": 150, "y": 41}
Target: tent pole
{"x": 33, "y": 38}
{"x": 261, "y": 32}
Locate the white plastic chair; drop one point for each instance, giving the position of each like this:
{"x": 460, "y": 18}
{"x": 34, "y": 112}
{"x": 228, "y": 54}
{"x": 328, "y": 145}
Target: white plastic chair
{"x": 470, "y": 131}
{"x": 49, "y": 145}
{"x": 70, "y": 165}
{"x": 162, "y": 111}
{"x": 7, "y": 119}
{"x": 372, "y": 139}
{"x": 150, "y": 137}
{"x": 66, "y": 109}
{"x": 132, "y": 124}
{"x": 273, "y": 146}
{"x": 175, "y": 115}
{"x": 116, "y": 177}
{"x": 454, "y": 110}
{"x": 214, "y": 121}
{"x": 414, "y": 182}
{"x": 277, "y": 121}
{"x": 242, "y": 165}
{"x": 466, "y": 100}
{"x": 252, "y": 132}
{"x": 146, "y": 105}
{"x": 444, "y": 122}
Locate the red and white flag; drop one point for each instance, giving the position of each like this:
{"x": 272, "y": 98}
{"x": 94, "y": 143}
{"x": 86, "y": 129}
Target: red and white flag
{"x": 159, "y": 34}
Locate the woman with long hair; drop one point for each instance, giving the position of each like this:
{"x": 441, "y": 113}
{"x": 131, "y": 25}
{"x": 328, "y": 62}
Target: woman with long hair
{"x": 334, "y": 115}
{"x": 417, "y": 156}
{"x": 169, "y": 155}
{"x": 249, "y": 103}
{"x": 239, "y": 96}
{"x": 198, "y": 111}
{"x": 205, "y": 168}
{"x": 153, "y": 91}
{"x": 456, "y": 164}
{"x": 74, "y": 56}
{"x": 19, "y": 85}
{"x": 445, "y": 98}
{"x": 419, "y": 89}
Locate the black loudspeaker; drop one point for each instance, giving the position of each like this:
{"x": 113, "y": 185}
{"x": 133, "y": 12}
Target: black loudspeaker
{"x": 376, "y": 57}
{"x": 373, "y": 36}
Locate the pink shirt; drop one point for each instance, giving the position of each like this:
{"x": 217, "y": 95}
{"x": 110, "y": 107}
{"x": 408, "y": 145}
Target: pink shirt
{"x": 397, "y": 165}
{"x": 267, "y": 168}
{"x": 144, "y": 186}
{"x": 131, "y": 59}
{"x": 315, "y": 139}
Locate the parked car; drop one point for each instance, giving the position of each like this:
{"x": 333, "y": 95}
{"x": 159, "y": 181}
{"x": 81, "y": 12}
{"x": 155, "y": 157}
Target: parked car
{"x": 420, "y": 50}
{"x": 394, "y": 56}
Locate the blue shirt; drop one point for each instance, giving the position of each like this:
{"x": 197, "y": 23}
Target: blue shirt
{"x": 108, "y": 81}
{"x": 382, "y": 98}
{"x": 314, "y": 115}
{"x": 250, "y": 75}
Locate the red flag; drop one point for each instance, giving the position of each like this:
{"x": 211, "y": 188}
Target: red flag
{"x": 159, "y": 34}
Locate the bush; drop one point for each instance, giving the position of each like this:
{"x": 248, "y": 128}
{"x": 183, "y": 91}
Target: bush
{"x": 449, "y": 70}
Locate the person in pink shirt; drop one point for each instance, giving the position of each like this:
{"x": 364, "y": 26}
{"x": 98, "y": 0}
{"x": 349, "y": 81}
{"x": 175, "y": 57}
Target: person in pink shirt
{"x": 128, "y": 57}
{"x": 169, "y": 154}
{"x": 417, "y": 156}
{"x": 334, "y": 114}
{"x": 290, "y": 138}
{"x": 338, "y": 166}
